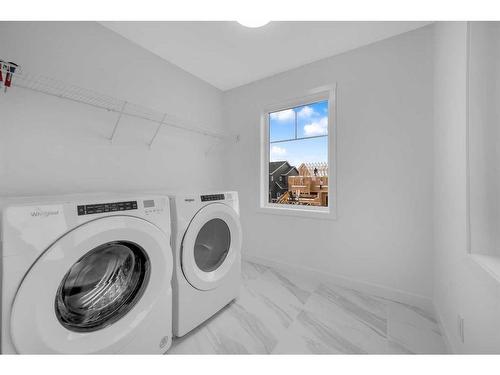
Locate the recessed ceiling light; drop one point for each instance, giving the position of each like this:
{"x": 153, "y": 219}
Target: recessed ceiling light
{"x": 253, "y": 23}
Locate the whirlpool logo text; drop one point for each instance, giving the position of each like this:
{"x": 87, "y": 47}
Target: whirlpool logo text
{"x": 40, "y": 213}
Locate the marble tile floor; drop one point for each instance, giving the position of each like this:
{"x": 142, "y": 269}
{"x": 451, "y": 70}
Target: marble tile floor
{"x": 279, "y": 312}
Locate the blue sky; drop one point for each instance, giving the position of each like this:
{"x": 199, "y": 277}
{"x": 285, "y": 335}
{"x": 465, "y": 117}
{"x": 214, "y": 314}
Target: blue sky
{"x": 312, "y": 120}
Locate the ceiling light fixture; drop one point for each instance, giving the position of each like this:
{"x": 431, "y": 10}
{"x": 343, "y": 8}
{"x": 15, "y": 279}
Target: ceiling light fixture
{"x": 253, "y": 23}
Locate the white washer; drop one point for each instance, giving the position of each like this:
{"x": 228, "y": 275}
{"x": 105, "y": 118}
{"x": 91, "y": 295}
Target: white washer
{"x": 206, "y": 241}
{"x": 86, "y": 274}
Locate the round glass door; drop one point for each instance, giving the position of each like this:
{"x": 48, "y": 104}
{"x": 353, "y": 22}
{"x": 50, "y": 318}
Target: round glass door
{"x": 102, "y": 286}
{"x": 212, "y": 245}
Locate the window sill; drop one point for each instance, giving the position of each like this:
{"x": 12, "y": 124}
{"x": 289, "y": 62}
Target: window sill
{"x": 490, "y": 264}
{"x": 308, "y": 213}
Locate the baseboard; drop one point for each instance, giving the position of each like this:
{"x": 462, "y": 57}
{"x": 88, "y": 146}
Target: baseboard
{"x": 374, "y": 289}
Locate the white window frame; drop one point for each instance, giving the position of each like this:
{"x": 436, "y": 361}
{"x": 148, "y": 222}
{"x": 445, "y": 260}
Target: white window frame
{"x": 328, "y": 93}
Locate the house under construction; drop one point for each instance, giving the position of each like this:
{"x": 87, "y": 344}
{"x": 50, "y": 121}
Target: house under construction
{"x": 309, "y": 188}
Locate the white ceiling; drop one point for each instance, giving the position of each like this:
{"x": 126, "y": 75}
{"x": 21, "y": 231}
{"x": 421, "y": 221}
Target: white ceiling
{"x": 228, "y": 55}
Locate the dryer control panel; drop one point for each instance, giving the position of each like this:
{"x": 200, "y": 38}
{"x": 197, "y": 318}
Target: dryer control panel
{"x": 212, "y": 197}
{"x": 100, "y": 208}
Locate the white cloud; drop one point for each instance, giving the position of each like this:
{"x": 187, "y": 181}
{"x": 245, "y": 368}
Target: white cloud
{"x": 286, "y": 115}
{"x": 306, "y": 112}
{"x": 277, "y": 152}
{"x": 316, "y": 128}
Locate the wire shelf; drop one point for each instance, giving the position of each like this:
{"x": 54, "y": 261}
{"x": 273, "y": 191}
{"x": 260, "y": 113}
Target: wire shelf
{"x": 53, "y": 87}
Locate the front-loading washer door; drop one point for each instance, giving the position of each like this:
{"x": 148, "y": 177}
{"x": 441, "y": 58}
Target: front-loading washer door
{"x": 211, "y": 246}
{"x": 90, "y": 291}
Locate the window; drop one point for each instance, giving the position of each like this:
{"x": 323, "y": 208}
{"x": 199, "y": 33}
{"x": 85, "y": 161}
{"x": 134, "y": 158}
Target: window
{"x": 296, "y": 147}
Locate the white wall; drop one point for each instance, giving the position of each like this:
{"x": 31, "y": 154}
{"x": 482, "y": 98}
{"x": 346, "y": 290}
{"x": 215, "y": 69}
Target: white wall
{"x": 461, "y": 286}
{"x": 49, "y": 145}
{"x": 384, "y": 233}
{"x": 484, "y": 137}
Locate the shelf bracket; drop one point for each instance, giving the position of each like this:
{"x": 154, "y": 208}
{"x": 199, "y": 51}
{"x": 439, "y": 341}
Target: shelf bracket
{"x": 216, "y": 142}
{"x": 157, "y": 130}
{"x": 117, "y": 122}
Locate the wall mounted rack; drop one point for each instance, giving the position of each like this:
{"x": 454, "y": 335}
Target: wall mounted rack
{"x": 53, "y": 87}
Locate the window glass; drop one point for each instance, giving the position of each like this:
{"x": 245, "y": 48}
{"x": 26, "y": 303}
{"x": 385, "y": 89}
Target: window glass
{"x": 312, "y": 120}
{"x": 298, "y": 155}
{"x": 282, "y": 125}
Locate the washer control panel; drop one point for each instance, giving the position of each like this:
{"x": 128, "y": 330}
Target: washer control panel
{"x": 100, "y": 208}
{"x": 212, "y": 197}
{"x": 150, "y": 207}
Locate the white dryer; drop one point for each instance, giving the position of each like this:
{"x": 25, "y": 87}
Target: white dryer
{"x": 206, "y": 241}
{"x": 86, "y": 275}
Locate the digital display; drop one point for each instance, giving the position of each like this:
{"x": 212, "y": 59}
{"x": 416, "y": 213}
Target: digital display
{"x": 100, "y": 208}
{"x": 149, "y": 203}
{"x": 213, "y": 197}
